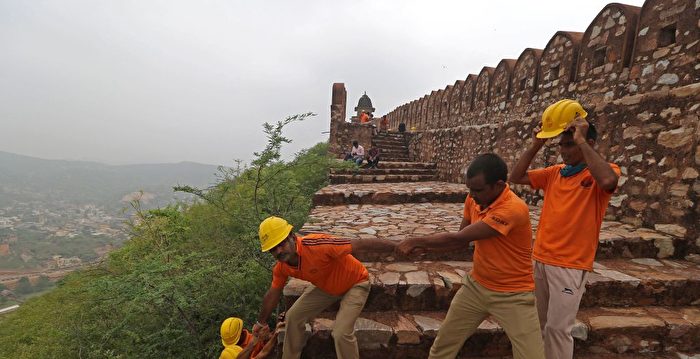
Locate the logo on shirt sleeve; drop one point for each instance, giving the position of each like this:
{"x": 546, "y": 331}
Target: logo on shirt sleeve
{"x": 499, "y": 221}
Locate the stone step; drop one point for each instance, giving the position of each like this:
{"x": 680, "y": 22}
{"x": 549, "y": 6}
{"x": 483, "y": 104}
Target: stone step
{"x": 395, "y": 158}
{"x": 390, "y": 135}
{"x": 379, "y": 178}
{"x": 636, "y": 332}
{"x": 398, "y": 221}
{"x": 384, "y": 171}
{"x": 390, "y": 193}
{"x": 389, "y": 141}
{"x": 404, "y": 164}
{"x": 430, "y": 285}
{"x": 385, "y": 145}
{"x": 393, "y": 150}
{"x": 390, "y": 151}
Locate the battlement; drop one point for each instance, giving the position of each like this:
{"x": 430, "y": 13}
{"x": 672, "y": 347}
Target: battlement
{"x": 636, "y": 70}
{"x": 626, "y": 50}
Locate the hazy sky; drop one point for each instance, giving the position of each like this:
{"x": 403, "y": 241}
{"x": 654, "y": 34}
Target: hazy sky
{"x": 167, "y": 81}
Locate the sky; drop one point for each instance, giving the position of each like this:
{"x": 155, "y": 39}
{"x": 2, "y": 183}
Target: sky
{"x": 145, "y": 81}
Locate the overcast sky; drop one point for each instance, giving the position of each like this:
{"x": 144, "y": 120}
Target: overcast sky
{"x": 167, "y": 81}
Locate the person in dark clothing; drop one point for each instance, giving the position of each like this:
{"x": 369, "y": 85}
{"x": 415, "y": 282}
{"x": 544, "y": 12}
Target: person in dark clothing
{"x": 373, "y": 158}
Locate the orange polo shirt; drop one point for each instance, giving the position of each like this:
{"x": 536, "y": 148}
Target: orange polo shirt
{"x": 572, "y": 213}
{"x": 503, "y": 263}
{"x": 326, "y": 262}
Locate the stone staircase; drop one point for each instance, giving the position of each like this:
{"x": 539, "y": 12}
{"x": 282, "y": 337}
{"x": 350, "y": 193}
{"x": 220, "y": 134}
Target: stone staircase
{"x": 394, "y": 165}
{"x": 640, "y": 302}
{"x": 393, "y": 146}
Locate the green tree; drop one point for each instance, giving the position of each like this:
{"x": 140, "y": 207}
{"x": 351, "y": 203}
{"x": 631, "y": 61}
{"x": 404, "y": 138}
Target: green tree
{"x": 184, "y": 269}
{"x": 24, "y": 287}
{"x": 42, "y": 284}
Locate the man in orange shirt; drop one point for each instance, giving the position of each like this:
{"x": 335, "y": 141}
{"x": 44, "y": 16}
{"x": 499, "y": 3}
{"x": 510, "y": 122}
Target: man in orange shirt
{"x": 336, "y": 275}
{"x": 576, "y": 195}
{"x": 364, "y": 117}
{"x": 500, "y": 283}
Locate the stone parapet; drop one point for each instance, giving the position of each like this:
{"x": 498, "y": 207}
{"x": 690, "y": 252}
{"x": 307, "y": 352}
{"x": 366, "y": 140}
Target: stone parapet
{"x": 637, "y": 73}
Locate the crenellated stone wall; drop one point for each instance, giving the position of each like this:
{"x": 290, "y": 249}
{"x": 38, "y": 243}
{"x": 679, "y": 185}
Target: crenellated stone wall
{"x": 635, "y": 70}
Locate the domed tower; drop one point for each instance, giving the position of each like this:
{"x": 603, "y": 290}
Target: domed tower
{"x": 364, "y": 105}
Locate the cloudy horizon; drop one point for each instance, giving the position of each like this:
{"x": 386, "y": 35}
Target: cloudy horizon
{"x": 125, "y": 82}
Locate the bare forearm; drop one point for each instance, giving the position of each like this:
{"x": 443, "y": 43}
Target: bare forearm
{"x": 465, "y": 222}
{"x": 361, "y": 246}
{"x": 247, "y": 351}
{"x": 519, "y": 172}
{"x": 268, "y": 347}
{"x": 442, "y": 242}
{"x": 270, "y": 301}
{"x": 600, "y": 170}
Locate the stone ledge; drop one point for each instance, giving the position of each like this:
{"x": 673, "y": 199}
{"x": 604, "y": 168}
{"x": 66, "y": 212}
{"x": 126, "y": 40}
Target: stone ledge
{"x": 383, "y": 171}
{"x": 430, "y": 285}
{"x": 405, "y": 164}
{"x": 380, "y": 178}
{"x": 609, "y": 332}
{"x": 390, "y": 193}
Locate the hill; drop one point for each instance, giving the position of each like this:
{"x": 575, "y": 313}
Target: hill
{"x": 27, "y": 179}
{"x": 76, "y": 209}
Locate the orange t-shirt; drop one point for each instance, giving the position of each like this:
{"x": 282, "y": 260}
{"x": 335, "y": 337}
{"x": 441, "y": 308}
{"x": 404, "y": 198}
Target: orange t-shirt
{"x": 572, "y": 213}
{"x": 258, "y": 346}
{"x": 503, "y": 263}
{"x": 326, "y": 262}
{"x": 364, "y": 118}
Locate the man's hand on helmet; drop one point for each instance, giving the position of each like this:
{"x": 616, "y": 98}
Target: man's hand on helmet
{"x": 579, "y": 127}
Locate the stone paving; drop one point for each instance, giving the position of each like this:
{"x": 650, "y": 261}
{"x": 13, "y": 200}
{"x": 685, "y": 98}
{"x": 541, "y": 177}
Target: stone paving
{"x": 400, "y": 221}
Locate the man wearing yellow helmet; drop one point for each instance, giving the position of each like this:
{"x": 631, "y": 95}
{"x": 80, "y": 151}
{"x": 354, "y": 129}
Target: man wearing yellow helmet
{"x": 336, "y": 275}
{"x": 576, "y": 195}
{"x": 239, "y": 343}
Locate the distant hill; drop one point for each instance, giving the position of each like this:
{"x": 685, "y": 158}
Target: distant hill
{"x": 73, "y": 209}
{"x": 30, "y": 179}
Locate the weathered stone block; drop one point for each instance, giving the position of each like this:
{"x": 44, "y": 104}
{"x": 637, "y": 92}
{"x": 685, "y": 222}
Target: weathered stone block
{"x": 675, "y": 138}
{"x": 672, "y": 229}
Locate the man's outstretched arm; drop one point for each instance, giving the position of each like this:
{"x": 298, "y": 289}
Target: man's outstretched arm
{"x": 363, "y": 246}
{"x": 448, "y": 241}
{"x": 270, "y": 301}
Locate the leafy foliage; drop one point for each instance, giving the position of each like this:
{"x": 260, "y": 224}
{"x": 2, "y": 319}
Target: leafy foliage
{"x": 185, "y": 269}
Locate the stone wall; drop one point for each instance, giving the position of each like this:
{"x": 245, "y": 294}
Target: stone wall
{"x": 635, "y": 70}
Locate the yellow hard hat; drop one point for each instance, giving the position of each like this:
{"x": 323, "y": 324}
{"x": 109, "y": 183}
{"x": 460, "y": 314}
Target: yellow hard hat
{"x": 273, "y": 230}
{"x": 231, "y": 330}
{"x": 231, "y": 352}
{"x": 558, "y": 116}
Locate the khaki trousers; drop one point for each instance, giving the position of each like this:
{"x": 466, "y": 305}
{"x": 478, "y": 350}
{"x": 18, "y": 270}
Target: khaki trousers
{"x": 515, "y": 312}
{"x": 312, "y": 302}
{"x": 558, "y": 291}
